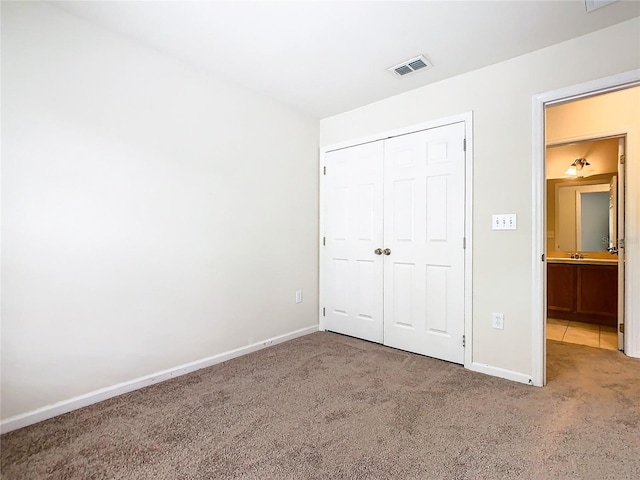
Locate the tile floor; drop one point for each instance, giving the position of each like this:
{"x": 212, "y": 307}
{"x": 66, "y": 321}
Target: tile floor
{"x": 582, "y": 333}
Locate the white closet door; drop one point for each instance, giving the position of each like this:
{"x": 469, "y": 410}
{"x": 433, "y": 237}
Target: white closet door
{"x": 424, "y": 174}
{"x": 353, "y": 230}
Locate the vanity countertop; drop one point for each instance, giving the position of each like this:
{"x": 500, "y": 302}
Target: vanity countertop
{"x": 583, "y": 261}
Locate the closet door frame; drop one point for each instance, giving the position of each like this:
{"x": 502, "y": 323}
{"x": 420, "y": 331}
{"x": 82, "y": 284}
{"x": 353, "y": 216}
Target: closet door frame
{"x": 467, "y": 118}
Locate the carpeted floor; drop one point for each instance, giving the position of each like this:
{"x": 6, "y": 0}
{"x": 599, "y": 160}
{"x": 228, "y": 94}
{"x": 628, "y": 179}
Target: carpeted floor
{"x": 331, "y": 407}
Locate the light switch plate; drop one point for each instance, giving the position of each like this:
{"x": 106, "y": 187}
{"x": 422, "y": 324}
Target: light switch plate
{"x": 505, "y": 221}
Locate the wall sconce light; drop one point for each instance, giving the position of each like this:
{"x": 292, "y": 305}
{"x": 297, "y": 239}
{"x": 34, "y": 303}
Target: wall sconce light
{"x": 577, "y": 165}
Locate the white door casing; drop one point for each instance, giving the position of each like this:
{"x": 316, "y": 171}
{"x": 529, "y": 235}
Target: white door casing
{"x": 422, "y": 280}
{"x": 424, "y": 230}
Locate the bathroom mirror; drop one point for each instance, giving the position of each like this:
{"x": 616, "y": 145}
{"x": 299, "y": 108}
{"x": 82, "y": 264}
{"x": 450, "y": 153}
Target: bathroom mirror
{"x": 585, "y": 215}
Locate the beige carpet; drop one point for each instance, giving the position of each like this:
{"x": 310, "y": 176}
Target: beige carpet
{"x": 327, "y": 406}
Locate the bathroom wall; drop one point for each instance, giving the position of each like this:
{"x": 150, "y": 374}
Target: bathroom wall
{"x": 602, "y": 156}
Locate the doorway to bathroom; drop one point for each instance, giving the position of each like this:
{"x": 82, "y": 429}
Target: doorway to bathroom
{"x": 586, "y": 151}
{"x": 585, "y": 208}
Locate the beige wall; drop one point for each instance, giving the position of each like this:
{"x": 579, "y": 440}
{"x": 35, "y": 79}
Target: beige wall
{"x": 500, "y": 97}
{"x": 596, "y": 116}
{"x": 152, "y": 215}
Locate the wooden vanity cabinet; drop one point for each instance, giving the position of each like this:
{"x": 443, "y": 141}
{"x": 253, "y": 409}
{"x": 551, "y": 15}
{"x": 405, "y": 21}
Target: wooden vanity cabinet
{"x": 583, "y": 293}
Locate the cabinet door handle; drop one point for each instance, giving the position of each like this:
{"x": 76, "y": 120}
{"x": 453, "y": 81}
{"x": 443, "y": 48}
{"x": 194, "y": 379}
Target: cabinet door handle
{"x": 386, "y": 251}
{"x": 378, "y": 251}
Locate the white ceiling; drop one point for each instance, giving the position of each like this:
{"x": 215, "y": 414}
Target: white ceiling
{"x": 326, "y": 57}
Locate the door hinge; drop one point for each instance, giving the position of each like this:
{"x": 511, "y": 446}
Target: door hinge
{"x": 324, "y": 170}
{"x": 464, "y": 144}
{"x": 464, "y": 243}
{"x": 464, "y": 341}
{"x": 324, "y": 240}
{"x": 542, "y": 257}
{"x": 621, "y": 328}
{"x": 621, "y": 243}
{"x": 622, "y": 159}
{"x": 324, "y": 312}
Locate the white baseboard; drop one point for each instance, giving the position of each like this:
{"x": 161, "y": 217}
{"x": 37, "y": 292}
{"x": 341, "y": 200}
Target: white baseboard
{"x": 500, "y": 372}
{"x": 65, "y": 406}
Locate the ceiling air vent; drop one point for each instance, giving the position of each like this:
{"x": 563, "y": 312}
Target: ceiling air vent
{"x": 410, "y": 66}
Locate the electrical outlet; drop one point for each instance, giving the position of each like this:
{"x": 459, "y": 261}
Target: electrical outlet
{"x": 298, "y": 296}
{"x": 497, "y": 320}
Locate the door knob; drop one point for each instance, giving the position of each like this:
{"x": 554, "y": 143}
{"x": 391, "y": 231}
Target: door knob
{"x": 378, "y": 251}
{"x": 386, "y": 251}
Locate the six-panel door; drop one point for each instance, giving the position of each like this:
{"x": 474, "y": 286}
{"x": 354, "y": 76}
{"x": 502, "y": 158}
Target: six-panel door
{"x": 353, "y": 231}
{"x": 404, "y": 194}
{"x": 424, "y": 229}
